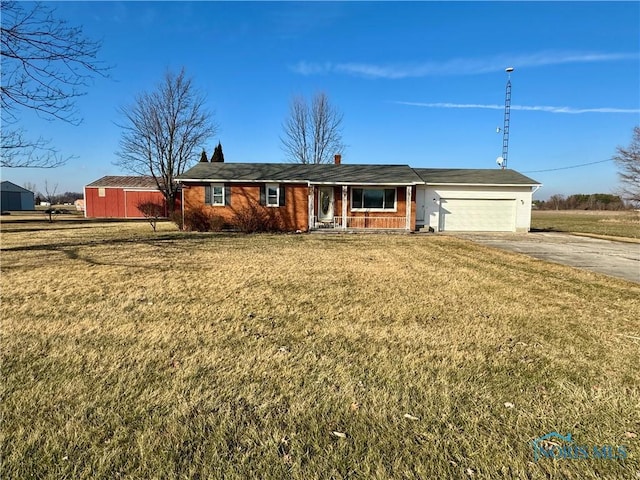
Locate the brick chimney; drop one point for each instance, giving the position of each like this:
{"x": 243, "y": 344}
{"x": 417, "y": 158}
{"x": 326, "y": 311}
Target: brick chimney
{"x": 337, "y": 159}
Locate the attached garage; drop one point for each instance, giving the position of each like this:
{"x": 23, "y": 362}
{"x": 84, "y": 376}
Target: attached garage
{"x": 474, "y": 200}
{"x": 477, "y": 215}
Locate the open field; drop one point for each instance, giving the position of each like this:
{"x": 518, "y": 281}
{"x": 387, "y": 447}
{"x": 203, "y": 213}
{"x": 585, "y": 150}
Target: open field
{"x": 600, "y": 222}
{"x": 132, "y": 355}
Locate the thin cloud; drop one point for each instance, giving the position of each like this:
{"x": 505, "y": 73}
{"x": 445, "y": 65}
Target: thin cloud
{"x": 460, "y": 66}
{"x": 528, "y": 108}
{"x": 306, "y": 68}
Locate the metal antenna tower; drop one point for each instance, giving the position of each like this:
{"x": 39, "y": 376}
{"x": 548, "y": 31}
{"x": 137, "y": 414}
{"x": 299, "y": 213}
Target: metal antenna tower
{"x": 507, "y": 115}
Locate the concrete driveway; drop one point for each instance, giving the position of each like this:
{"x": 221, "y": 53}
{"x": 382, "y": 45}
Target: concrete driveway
{"x": 618, "y": 259}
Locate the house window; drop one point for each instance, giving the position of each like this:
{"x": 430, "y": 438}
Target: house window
{"x": 102, "y": 192}
{"x": 214, "y": 194}
{"x": 373, "y": 198}
{"x": 273, "y": 195}
{"x": 217, "y": 194}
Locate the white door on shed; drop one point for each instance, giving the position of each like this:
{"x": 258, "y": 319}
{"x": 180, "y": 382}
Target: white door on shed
{"x": 477, "y": 215}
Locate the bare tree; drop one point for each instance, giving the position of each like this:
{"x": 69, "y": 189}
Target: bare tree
{"x": 557, "y": 201}
{"x": 46, "y": 65}
{"x": 628, "y": 161}
{"x": 163, "y": 132}
{"x": 312, "y": 134}
{"x": 152, "y": 211}
{"x": 30, "y": 186}
{"x": 50, "y": 196}
{"x": 50, "y": 192}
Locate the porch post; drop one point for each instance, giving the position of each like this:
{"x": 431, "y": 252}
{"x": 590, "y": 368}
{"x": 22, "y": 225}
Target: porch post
{"x": 408, "y": 202}
{"x": 311, "y": 212}
{"x": 344, "y": 206}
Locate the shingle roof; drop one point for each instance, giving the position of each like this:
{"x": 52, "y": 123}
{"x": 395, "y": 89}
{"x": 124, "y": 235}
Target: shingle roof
{"x": 291, "y": 172}
{"x": 351, "y": 174}
{"x": 475, "y": 176}
{"x": 122, "y": 181}
{"x": 327, "y": 173}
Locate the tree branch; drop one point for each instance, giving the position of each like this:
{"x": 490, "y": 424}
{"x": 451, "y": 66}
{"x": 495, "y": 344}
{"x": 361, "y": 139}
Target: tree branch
{"x": 164, "y": 132}
{"x": 312, "y": 134}
{"x": 46, "y": 66}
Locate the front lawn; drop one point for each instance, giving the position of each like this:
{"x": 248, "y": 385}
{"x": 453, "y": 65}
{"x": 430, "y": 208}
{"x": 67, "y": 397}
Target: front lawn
{"x": 132, "y": 355}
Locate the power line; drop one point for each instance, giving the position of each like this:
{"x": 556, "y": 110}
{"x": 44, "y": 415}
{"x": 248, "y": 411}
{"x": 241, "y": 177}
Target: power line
{"x": 572, "y": 166}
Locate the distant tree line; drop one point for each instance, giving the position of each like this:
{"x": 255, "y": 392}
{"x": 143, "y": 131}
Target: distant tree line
{"x": 59, "y": 199}
{"x": 581, "y": 201}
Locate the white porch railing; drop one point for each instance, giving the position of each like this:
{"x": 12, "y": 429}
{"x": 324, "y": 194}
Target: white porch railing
{"x": 374, "y": 223}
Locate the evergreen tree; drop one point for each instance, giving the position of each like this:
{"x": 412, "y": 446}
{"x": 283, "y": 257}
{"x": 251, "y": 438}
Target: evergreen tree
{"x": 218, "y": 156}
{"x": 203, "y": 156}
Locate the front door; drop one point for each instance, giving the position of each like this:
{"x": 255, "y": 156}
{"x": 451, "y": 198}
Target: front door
{"x": 325, "y": 204}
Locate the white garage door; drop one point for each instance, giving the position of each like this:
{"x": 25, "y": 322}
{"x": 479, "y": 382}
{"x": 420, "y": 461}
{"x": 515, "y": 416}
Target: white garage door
{"x": 477, "y": 215}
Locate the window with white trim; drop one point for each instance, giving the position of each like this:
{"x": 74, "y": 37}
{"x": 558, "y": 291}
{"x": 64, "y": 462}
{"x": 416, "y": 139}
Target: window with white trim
{"x": 373, "y": 199}
{"x": 217, "y": 194}
{"x": 272, "y": 195}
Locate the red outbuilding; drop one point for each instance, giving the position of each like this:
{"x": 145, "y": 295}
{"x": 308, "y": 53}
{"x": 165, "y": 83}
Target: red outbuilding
{"x": 119, "y": 196}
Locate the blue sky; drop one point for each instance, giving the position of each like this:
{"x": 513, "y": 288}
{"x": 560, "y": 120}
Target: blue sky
{"x": 419, "y": 83}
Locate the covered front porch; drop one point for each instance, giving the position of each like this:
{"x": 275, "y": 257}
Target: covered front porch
{"x": 360, "y": 223}
{"x": 355, "y": 207}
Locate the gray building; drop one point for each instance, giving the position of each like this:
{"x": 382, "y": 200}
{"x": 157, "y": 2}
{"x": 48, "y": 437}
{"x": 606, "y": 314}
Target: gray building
{"x": 13, "y": 197}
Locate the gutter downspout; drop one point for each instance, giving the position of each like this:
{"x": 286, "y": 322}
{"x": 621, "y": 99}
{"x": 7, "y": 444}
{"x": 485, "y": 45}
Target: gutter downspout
{"x": 182, "y": 204}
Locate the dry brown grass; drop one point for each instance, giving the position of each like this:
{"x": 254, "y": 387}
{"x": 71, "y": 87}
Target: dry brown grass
{"x": 624, "y": 223}
{"x": 127, "y": 354}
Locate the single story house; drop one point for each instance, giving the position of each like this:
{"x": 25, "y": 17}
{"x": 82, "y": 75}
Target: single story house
{"x": 118, "y": 196}
{"x": 352, "y": 197}
{"x": 15, "y": 198}
{"x": 307, "y": 197}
